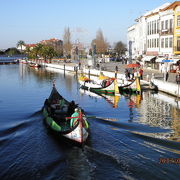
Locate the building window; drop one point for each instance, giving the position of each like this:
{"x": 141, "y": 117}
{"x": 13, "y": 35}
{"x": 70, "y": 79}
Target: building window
{"x": 178, "y": 20}
{"x": 157, "y": 26}
{"x": 166, "y": 42}
{"x": 162, "y": 43}
{"x": 170, "y": 25}
{"x": 170, "y": 42}
{"x": 166, "y": 24}
{"x": 148, "y": 28}
{"x": 151, "y": 27}
{"x": 178, "y": 43}
{"x": 157, "y": 43}
{"x": 162, "y": 25}
{"x": 150, "y": 43}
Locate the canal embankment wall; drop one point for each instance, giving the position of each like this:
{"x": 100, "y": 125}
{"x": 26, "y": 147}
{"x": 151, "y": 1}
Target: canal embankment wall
{"x": 167, "y": 87}
{"x": 74, "y": 68}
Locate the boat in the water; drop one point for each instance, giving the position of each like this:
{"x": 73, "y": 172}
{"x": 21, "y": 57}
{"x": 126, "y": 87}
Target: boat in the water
{"x": 65, "y": 118}
{"x": 127, "y": 86}
{"x": 34, "y": 65}
{"x": 23, "y": 61}
{"x": 104, "y": 86}
{"x": 98, "y": 84}
{"x": 130, "y": 86}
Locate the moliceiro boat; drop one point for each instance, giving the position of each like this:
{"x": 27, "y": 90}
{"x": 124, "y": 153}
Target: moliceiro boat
{"x": 65, "y": 118}
{"x": 105, "y": 86}
{"x": 127, "y": 86}
{"x": 121, "y": 85}
{"x": 132, "y": 86}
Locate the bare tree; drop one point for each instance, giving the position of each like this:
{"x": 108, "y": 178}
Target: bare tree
{"x": 67, "y": 45}
{"x": 100, "y": 43}
{"x": 120, "y": 48}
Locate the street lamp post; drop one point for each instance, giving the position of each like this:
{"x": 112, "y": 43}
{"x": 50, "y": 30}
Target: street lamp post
{"x": 77, "y": 53}
{"x": 94, "y": 54}
{"x": 130, "y": 52}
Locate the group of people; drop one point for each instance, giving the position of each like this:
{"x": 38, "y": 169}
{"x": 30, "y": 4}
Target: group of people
{"x": 133, "y": 73}
{"x": 72, "y": 109}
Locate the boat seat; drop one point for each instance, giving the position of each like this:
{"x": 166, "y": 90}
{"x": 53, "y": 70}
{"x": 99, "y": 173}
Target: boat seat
{"x": 60, "y": 116}
{"x": 59, "y": 108}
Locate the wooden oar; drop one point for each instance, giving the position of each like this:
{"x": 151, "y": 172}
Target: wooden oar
{"x": 106, "y": 119}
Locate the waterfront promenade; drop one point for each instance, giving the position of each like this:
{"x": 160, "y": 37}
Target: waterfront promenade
{"x": 121, "y": 68}
{"x": 111, "y": 67}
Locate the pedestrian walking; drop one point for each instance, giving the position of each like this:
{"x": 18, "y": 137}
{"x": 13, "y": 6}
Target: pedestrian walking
{"x": 126, "y": 73}
{"x": 132, "y": 73}
{"x": 136, "y": 74}
{"x": 167, "y": 76}
{"x": 98, "y": 66}
{"x": 116, "y": 70}
{"x": 141, "y": 73}
{"x": 79, "y": 65}
{"x": 178, "y": 78}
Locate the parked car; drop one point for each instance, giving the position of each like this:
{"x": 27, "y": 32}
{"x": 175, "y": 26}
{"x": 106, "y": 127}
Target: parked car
{"x": 112, "y": 59}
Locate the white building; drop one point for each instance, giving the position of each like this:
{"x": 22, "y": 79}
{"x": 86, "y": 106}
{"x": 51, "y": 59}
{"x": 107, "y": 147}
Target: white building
{"x": 160, "y": 32}
{"x": 22, "y": 47}
{"x": 166, "y": 32}
{"x": 144, "y": 36}
{"x": 131, "y": 41}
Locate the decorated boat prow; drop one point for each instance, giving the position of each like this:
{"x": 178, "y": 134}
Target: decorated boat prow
{"x": 133, "y": 86}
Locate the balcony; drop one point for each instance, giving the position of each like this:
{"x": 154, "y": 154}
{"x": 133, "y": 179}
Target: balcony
{"x": 166, "y": 31}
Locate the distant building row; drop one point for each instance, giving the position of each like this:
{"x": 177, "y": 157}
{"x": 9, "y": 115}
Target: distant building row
{"x": 55, "y": 43}
{"x": 77, "y": 47}
{"x": 156, "y": 33}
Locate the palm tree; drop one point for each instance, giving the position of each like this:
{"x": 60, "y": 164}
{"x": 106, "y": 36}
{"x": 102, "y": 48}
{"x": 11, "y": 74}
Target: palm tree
{"x": 48, "y": 52}
{"x": 28, "y": 51}
{"x": 20, "y": 43}
{"x": 37, "y": 51}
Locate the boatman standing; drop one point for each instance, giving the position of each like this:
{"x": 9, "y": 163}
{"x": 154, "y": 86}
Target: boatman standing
{"x": 75, "y": 114}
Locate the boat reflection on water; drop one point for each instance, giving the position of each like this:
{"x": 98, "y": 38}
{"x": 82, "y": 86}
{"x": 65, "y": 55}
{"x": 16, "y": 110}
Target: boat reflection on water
{"x": 134, "y": 100}
{"x": 111, "y": 99}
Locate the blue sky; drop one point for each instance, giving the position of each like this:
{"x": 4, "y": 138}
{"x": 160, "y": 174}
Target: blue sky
{"x": 36, "y": 20}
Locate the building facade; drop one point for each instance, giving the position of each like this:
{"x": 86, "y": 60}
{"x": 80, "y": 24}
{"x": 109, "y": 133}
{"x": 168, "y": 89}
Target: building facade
{"x": 156, "y": 33}
{"x": 131, "y": 41}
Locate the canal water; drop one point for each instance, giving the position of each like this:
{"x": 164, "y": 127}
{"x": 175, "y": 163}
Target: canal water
{"x": 132, "y": 137}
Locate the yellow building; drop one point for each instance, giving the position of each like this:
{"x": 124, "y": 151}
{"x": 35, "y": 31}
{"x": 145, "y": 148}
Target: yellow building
{"x": 176, "y": 7}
